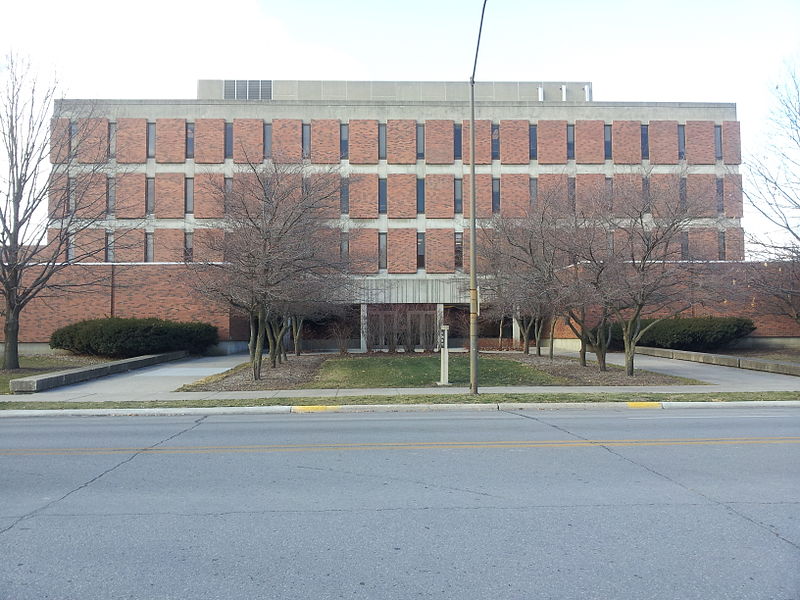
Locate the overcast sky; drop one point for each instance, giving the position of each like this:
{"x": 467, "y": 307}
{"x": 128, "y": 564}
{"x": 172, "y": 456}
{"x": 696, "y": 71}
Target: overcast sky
{"x": 681, "y": 50}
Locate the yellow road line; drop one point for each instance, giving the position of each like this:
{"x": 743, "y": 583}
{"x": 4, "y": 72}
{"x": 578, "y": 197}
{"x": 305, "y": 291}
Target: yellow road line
{"x": 644, "y": 404}
{"x": 400, "y": 446}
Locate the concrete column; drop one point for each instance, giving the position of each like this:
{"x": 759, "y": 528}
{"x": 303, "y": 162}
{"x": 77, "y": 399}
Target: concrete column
{"x": 515, "y": 331}
{"x": 363, "y": 327}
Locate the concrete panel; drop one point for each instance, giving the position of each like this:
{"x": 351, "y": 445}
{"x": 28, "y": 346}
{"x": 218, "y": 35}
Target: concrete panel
{"x": 359, "y": 90}
{"x": 310, "y": 90}
{"x": 506, "y": 91}
{"x": 770, "y": 367}
{"x": 457, "y": 91}
{"x": 334, "y": 90}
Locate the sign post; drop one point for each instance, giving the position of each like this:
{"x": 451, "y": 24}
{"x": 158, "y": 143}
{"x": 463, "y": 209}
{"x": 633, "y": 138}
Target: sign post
{"x": 444, "y": 357}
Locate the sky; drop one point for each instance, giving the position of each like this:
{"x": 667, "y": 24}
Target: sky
{"x": 679, "y": 51}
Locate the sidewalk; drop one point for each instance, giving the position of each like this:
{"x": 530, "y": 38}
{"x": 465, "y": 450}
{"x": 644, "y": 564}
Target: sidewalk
{"x": 158, "y": 383}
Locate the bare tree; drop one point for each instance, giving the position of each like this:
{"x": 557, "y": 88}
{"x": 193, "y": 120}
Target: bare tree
{"x": 280, "y": 251}
{"x": 49, "y": 215}
{"x": 774, "y": 190}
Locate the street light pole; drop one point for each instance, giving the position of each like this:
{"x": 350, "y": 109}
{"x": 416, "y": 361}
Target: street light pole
{"x": 473, "y": 203}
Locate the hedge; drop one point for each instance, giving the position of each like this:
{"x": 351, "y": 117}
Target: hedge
{"x": 124, "y": 338}
{"x": 698, "y": 334}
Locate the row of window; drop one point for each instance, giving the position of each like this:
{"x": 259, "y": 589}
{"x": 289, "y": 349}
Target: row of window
{"x": 458, "y": 249}
{"x": 344, "y": 141}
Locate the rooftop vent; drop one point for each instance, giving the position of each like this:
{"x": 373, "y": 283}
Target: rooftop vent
{"x": 247, "y": 89}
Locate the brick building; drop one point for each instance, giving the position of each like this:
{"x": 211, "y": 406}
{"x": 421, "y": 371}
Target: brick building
{"x": 403, "y": 150}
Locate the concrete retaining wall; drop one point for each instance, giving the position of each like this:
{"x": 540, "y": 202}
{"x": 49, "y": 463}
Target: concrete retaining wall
{"x": 46, "y": 381}
{"x": 784, "y": 368}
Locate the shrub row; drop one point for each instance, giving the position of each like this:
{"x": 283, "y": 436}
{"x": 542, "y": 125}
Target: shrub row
{"x": 697, "y": 334}
{"x": 124, "y": 338}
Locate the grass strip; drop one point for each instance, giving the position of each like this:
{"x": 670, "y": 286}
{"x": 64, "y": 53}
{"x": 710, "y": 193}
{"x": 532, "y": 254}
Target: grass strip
{"x": 414, "y": 399}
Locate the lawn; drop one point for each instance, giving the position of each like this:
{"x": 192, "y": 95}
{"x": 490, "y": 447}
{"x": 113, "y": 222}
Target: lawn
{"x": 43, "y": 363}
{"x": 422, "y": 371}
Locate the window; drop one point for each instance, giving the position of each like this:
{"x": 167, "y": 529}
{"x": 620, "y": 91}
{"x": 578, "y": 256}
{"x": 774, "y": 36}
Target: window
{"x": 721, "y": 243}
{"x": 73, "y": 135}
{"x": 382, "y": 196}
{"x": 188, "y": 246}
{"x": 495, "y": 141}
{"x": 228, "y": 140}
{"x": 190, "y": 140}
{"x": 420, "y": 196}
{"x": 70, "y": 247}
{"x": 149, "y": 195}
{"x": 381, "y": 250}
{"x": 533, "y": 143}
{"x": 344, "y": 196}
{"x": 609, "y": 199}
{"x": 111, "y": 195}
{"x": 112, "y": 140}
{"x": 534, "y": 191}
{"x": 420, "y": 140}
{"x": 148, "y": 246}
{"x": 720, "y": 196}
{"x": 267, "y": 140}
{"x": 645, "y": 143}
{"x": 70, "y": 194}
{"x": 458, "y": 196}
{"x": 571, "y": 193}
{"x": 495, "y": 195}
{"x": 718, "y": 142}
{"x": 457, "y": 140}
{"x": 151, "y": 140}
{"x": 381, "y": 141}
{"x": 306, "y": 141}
{"x": 109, "y": 254}
{"x": 344, "y": 245}
{"x": 681, "y": 142}
{"x": 228, "y": 185}
{"x": 607, "y": 147}
{"x": 459, "y": 250}
{"x": 570, "y": 142}
{"x": 685, "y": 245}
{"x": 420, "y": 250}
{"x": 344, "y": 141}
{"x": 682, "y": 193}
{"x": 646, "y": 203}
{"x": 188, "y": 195}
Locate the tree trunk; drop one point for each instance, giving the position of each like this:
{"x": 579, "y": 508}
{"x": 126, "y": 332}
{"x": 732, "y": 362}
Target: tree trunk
{"x": 273, "y": 350}
{"x": 259, "y": 345}
{"x": 11, "y": 344}
{"x": 582, "y": 352}
{"x": 630, "y": 345}
{"x": 552, "y": 335}
{"x": 251, "y": 343}
{"x": 297, "y": 332}
{"x": 538, "y": 324}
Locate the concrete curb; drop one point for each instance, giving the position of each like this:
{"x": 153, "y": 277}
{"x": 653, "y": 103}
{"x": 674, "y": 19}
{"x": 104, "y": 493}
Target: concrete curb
{"x": 388, "y": 408}
{"x": 48, "y": 381}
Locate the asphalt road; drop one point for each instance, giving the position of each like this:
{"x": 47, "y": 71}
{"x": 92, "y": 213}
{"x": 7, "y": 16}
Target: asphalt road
{"x": 610, "y": 504}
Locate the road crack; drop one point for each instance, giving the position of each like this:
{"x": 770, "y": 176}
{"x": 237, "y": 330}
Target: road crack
{"x": 86, "y": 484}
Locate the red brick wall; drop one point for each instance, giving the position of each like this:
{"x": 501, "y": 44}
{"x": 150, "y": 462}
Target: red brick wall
{"x": 130, "y": 196}
{"x": 514, "y": 142}
{"x": 700, "y": 142}
{"x": 589, "y": 144}
{"x": 664, "y": 193}
{"x": 589, "y": 193}
{"x": 168, "y": 245}
{"x": 663, "y": 137}
{"x": 627, "y": 199}
{"x": 439, "y": 142}
{"x": 552, "y": 193}
{"x": 325, "y": 141}
{"x": 439, "y": 251}
{"x": 364, "y": 196}
{"x": 208, "y": 196}
{"x": 131, "y": 141}
{"x": 401, "y": 246}
{"x": 401, "y": 141}
{"x": 732, "y": 189}
{"x": 170, "y": 140}
{"x": 552, "y": 145}
{"x": 484, "y": 195}
{"x": 364, "y": 251}
{"x": 626, "y": 142}
{"x": 59, "y": 141}
{"x": 363, "y": 147}
{"x": 515, "y": 194}
{"x": 287, "y": 140}
{"x": 248, "y": 141}
{"x": 90, "y": 245}
{"x": 129, "y": 245}
{"x": 92, "y": 142}
{"x": 90, "y": 195}
{"x": 483, "y": 142}
{"x": 170, "y": 192}
{"x": 209, "y": 141}
{"x": 731, "y": 143}
{"x": 208, "y": 244}
{"x": 701, "y": 194}
{"x": 703, "y": 244}
{"x": 439, "y": 196}
{"x": 734, "y": 243}
{"x": 402, "y": 195}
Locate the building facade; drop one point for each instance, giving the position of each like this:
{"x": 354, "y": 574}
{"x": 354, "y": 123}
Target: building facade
{"x": 402, "y": 149}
